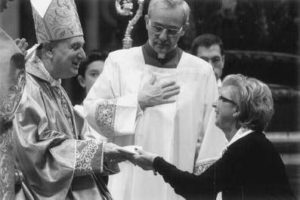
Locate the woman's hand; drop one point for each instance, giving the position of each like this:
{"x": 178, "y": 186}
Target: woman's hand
{"x": 143, "y": 159}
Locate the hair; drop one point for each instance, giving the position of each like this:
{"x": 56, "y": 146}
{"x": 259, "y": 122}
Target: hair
{"x": 172, "y": 4}
{"x": 93, "y": 56}
{"x": 206, "y": 40}
{"x": 255, "y": 101}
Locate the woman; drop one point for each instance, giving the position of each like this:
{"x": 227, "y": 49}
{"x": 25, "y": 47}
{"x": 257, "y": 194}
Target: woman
{"x": 250, "y": 168}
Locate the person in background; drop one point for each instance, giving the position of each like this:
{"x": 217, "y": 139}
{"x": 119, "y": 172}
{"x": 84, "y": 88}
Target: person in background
{"x": 155, "y": 96}
{"x": 210, "y": 48}
{"x": 56, "y": 151}
{"x": 90, "y": 69}
{"x": 250, "y": 167}
{"x": 12, "y": 82}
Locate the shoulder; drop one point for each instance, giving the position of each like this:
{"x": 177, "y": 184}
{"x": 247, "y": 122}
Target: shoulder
{"x": 255, "y": 144}
{"x": 124, "y": 54}
{"x": 196, "y": 62}
{"x": 32, "y": 84}
{"x": 32, "y": 90}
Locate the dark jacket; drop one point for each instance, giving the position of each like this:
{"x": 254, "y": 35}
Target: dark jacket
{"x": 250, "y": 168}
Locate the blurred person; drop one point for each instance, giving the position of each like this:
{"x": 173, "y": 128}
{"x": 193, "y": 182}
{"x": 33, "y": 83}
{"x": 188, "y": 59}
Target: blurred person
{"x": 90, "y": 69}
{"x": 209, "y": 47}
{"x": 250, "y": 168}
{"x": 153, "y": 89}
{"x": 56, "y": 151}
{"x": 12, "y": 81}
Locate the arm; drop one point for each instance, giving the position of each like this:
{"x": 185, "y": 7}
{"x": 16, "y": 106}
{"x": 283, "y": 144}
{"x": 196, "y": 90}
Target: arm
{"x": 190, "y": 186}
{"x": 108, "y": 110}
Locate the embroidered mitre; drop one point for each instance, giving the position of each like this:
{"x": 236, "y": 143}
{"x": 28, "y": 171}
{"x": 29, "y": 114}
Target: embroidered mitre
{"x": 55, "y": 20}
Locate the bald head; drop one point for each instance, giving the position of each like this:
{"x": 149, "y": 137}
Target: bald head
{"x": 171, "y": 4}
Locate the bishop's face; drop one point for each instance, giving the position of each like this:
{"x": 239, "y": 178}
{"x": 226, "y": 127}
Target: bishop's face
{"x": 3, "y": 4}
{"x": 66, "y": 57}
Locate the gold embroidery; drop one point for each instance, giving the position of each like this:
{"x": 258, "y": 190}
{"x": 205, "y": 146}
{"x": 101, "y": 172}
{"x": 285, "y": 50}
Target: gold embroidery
{"x": 105, "y": 116}
{"x": 85, "y": 153}
{"x": 9, "y": 104}
{"x": 6, "y": 166}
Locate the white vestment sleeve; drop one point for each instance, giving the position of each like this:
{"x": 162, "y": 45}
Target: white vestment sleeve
{"x": 107, "y": 110}
{"x": 213, "y": 141}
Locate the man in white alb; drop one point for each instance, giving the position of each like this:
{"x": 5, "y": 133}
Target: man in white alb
{"x": 155, "y": 96}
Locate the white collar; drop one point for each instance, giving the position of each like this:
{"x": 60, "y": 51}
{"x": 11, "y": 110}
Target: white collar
{"x": 242, "y": 132}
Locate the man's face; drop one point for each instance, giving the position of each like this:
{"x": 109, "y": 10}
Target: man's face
{"x": 66, "y": 57}
{"x": 3, "y": 4}
{"x": 165, "y": 26}
{"x": 212, "y": 55}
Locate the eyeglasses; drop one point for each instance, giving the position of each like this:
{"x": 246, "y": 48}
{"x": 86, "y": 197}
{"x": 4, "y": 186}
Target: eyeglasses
{"x": 158, "y": 29}
{"x": 224, "y": 99}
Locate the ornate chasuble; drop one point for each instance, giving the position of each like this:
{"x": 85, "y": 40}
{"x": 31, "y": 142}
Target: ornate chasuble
{"x": 169, "y": 130}
{"x": 55, "y": 150}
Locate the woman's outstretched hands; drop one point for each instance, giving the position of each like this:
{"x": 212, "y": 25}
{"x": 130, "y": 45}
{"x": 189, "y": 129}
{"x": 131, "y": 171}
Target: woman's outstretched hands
{"x": 139, "y": 157}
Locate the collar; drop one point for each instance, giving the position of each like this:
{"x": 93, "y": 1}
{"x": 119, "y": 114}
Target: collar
{"x": 242, "y": 132}
{"x": 170, "y": 61}
{"x": 36, "y": 67}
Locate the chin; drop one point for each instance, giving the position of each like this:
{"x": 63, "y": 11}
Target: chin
{"x": 161, "y": 51}
{"x": 217, "y": 123}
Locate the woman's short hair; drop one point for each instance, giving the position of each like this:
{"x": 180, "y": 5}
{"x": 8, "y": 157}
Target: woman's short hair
{"x": 255, "y": 101}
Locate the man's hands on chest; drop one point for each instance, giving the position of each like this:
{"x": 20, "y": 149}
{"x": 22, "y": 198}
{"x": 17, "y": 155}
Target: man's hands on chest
{"x": 156, "y": 91}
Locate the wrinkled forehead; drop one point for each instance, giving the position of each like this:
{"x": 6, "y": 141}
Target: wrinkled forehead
{"x": 160, "y": 10}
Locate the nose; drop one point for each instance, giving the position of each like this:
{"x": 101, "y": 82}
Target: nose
{"x": 82, "y": 54}
{"x": 163, "y": 35}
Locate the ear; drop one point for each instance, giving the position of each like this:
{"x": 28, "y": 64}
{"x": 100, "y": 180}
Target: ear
{"x": 81, "y": 81}
{"x": 49, "y": 53}
{"x": 184, "y": 28}
{"x": 236, "y": 113}
{"x": 223, "y": 58}
{"x": 146, "y": 18}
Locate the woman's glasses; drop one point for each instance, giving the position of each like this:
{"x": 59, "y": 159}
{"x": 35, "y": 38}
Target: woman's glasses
{"x": 224, "y": 99}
